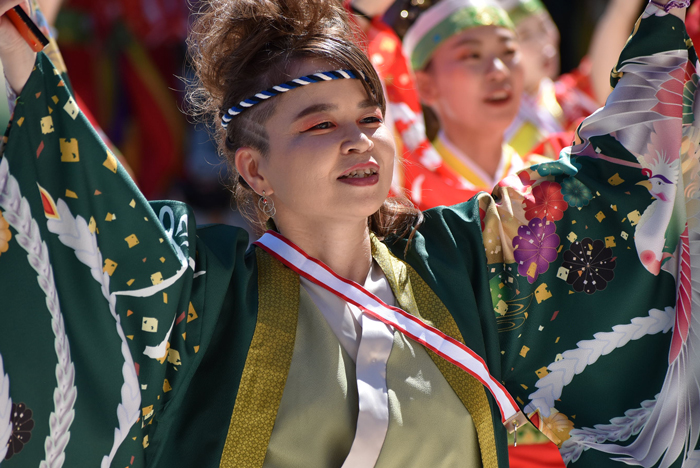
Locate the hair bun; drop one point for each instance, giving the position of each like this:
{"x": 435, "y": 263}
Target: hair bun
{"x": 233, "y": 44}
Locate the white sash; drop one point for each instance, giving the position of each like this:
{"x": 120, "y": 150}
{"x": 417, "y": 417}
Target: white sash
{"x": 444, "y": 346}
{"x": 373, "y": 398}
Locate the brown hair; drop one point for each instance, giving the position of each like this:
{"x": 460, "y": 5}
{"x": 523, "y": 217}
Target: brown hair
{"x": 241, "y": 47}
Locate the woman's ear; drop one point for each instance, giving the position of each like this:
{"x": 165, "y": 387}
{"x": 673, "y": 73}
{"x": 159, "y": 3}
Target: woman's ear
{"x": 248, "y": 164}
{"x": 427, "y": 90}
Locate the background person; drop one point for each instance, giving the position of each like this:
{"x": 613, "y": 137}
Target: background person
{"x": 552, "y": 103}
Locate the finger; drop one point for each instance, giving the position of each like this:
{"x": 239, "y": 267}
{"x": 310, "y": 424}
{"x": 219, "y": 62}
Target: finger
{"x": 6, "y": 5}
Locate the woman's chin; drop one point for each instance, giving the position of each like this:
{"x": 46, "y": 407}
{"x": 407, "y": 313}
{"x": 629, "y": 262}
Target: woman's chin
{"x": 363, "y": 209}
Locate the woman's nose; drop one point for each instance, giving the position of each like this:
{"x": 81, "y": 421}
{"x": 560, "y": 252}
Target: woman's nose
{"x": 357, "y": 141}
{"x": 497, "y": 69}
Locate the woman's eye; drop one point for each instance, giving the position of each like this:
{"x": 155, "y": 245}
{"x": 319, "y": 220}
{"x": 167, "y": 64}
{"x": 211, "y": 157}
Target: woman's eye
{"x": 372, "y": 119}
{"x": 471, "y": 56}
{"x": 322, "y": 126}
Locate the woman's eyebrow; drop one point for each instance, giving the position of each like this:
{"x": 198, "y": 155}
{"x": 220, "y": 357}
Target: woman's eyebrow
{"x": 367, "y": 103}
{"x": 324, "y": 107}
{"x": 468, "y": 42}
{"x": 316, "y": 108}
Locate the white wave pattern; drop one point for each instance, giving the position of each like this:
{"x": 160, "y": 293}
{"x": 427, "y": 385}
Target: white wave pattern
{"x": 619, "y": 430}
{"x": 5, "y": 411}
{"x": 575, "y": 361}
{"x": 74, "y": 233}
{"x": 693, "y": 460}
{"x": 673, "y": 429}
{"x": 18, "y": 214}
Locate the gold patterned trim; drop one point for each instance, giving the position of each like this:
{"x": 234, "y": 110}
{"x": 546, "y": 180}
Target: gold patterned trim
{"x": 266, "y": 367}
{"x": 415, "y": 297}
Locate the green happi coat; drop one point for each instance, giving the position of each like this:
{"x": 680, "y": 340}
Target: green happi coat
{"x": 130, "y": 337}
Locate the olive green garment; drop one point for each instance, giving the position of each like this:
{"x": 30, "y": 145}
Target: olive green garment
{"x": 316, "y": 420}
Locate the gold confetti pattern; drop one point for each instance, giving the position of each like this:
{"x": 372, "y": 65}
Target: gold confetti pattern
{"x": 5, "y": 234}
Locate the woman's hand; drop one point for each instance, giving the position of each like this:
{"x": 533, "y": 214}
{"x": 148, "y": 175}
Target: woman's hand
{"x": 16, "y": 55}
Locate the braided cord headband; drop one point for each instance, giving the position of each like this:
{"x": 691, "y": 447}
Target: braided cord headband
{"x": 263, "y": 96}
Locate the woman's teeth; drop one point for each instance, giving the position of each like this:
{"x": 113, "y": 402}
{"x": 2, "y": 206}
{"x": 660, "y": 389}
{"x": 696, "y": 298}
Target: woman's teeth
{"x": 360, "y": 174}
{"x": 500, "y": 96}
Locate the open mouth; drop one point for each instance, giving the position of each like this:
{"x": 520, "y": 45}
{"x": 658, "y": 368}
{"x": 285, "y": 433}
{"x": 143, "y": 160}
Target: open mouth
{"x": 359, "y": 174}
{"x": 498, "y": 96}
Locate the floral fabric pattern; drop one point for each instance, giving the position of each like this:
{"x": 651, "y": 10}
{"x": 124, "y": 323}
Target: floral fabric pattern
{"x": 535, "y": 248}
{"x": 22, "y": 425}
{"x": 590, "y": 265}
{"x": 622, "y": 211}
{"x": 553, "y": 168}
{"x": 575, "y": 193}
{"x": 546, "y": 202}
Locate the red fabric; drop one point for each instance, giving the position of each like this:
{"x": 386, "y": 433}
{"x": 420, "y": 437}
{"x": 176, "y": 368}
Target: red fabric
{"x": 575, "y": 95}
{"x": 159, "y": 148}
{"x": 386, "y": 53}
{"x": 441, "y": 186}
{"x": 129, "y": 92}
{"x": 83, "y": 75}
{"x": 551, "y": 146}
{"x": 692, "y": 23}
{"x": 154, "y": 22}
{"x": 535, "y": 456}
{"x": 165, "y": 22}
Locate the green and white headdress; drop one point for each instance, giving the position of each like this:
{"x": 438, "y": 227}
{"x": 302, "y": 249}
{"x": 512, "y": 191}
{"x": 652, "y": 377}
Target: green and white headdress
{"x": 521, "y": 9}
{"x": 445, "y": 19}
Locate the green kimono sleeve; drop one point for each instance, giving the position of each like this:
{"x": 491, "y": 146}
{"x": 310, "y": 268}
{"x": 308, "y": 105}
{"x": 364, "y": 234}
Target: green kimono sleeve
{"x": 107, "y": 303}
{"x": 589, "y": 266}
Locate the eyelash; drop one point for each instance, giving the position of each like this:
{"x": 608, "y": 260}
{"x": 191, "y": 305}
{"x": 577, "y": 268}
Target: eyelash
{"x": 374, "y": 118}
{"x": 318, "y": 127}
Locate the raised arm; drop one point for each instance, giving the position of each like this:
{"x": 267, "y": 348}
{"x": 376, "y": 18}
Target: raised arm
{"x": 103, "y": 294}
{"x": 16, "y": 56}
{"x": 591, "y": 258}
{"x": 609, "y": 37}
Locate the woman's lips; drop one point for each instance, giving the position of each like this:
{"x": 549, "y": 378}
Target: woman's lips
{"x": 360, "y": 181}
{"x": 499, "y": 97}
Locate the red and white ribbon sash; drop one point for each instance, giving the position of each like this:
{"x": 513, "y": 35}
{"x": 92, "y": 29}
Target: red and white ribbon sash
{"x": 444, "y": 346}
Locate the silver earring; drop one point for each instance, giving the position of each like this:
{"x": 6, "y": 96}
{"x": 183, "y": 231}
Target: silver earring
{"x": 266, "y": 205}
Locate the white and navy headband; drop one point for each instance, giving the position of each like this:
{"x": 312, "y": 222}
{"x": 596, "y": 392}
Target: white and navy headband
{"x": 283, "y": 88}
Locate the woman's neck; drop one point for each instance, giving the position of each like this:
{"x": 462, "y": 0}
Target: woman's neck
{"x": 344, "y": 247}
{"x": 484, "y": 147}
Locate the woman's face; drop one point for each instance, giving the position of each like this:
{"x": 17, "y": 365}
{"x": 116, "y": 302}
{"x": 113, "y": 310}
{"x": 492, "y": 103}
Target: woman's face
{"x": 475, "y": 79}
{"x": 539, "y": 40}
{"x": 331, "y": 157}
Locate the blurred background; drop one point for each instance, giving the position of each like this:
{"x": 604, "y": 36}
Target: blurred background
{"x": 126, "y": 62}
